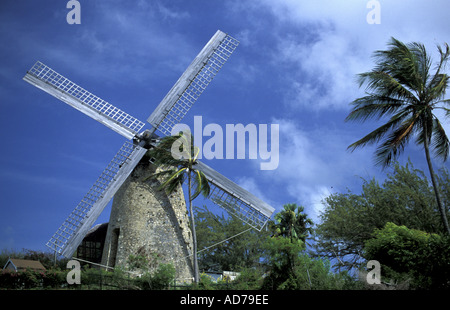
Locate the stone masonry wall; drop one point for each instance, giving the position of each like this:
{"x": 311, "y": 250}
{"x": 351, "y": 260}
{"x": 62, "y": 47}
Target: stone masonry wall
{"x": 146, "y": 222}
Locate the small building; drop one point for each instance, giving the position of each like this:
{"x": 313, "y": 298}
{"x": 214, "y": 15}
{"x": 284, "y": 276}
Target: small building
{"x": 230, "y": 275}
{"x": 91, "y": 248}
{"x": 223, "y": 276}
{"x": 16, "y": 264}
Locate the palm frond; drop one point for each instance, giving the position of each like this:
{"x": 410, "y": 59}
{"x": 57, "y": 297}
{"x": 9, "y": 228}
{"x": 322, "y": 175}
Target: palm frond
{"x": 376, "y": 135}
{"x": 440, "y": 143}
{"x": 439, "y": 83}
{"x": 401, "y": 85}
{"x": 437, "y": 88}
{"x": 391, "y": 148}
{"x": 447, "y": 110}
{"x": 422, "y": 63}
{"x": 175, "y": 169}
{"x": 201, "y": 184}
{"x": 173, "y": 181}
{"x": 167, "y": 151}
{"x": 374, "y": 106}
{"x": 386, "y": 84}
{"x": 401, "y": 62}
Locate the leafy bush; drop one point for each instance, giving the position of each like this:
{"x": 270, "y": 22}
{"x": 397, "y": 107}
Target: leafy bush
{"x": 158, "y": 280}
{"x": 411, "y": 254}
{"x": 29, "y": 279}
{"x": 249, "y": 279}
{"x": 290, "y": 268}
{"x": 54, "y": 278}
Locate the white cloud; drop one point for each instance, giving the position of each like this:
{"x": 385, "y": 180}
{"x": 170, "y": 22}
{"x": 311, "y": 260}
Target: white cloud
{"x": 250, "y": 184}
{"x": 123, "y": 40}
{"x": 315, "y": 197}
{"x": 314, "y": 163}
{"x": 334, "y": 42}
{"x": 326, "y": 72}
{"x": 168, "y": 13}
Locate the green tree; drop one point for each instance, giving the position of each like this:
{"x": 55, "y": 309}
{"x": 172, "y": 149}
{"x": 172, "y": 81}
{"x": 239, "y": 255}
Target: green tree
{"x": 282, "y": 259}
{"x": 292, "y": 223}
{"x": 405, "y": 198}
{"x": 177, "y": 156}
{"x": 290, "y": 268}
{"x": 410, "y": 254}
{"x": 230, "y": 243}
{"x": 402, "y": 86}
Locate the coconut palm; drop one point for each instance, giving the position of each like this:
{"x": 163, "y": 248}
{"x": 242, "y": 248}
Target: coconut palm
{"x": 176, "y": 156}
{"x": 403, "y": 87}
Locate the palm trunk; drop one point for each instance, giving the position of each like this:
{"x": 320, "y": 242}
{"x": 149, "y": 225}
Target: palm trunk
{"x": 433, "y": 181}
{"x": 194, "y": 236}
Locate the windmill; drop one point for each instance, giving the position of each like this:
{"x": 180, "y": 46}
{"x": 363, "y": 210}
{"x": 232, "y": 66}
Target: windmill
{"x": 168, "y": 113}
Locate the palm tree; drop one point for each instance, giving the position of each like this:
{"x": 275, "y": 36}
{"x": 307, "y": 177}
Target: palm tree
{"x": 292, "y": 223}
{"x": 177, "y": 156}
{"x": 402, "y": 86}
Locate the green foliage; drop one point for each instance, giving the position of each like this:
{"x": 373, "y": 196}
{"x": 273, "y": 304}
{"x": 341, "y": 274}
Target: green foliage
{"x": 402, "y": 88}
{"x": 292, "y": 222}
{"x": 409, "y": 253}
{"x": 30, "y": 279}
{"x": 91, "y": 278}
{"x": 94, "y": 277}
{"x": 290, "y": 268}
{"x": 404, "y": 198}
{"x": 47, "y": 259}
{"x": 282, "y": 258}
{"x": 249, "y": 279}
{"x": 207, "y": 283}
{"x": 158, "y": 280}
{"x": 243, "y": 251}
{"x": 176, "y": 170}
{"x": 264, "y": 262}
{"x": 137, "y": 262}
{"x": 53, "y": 277}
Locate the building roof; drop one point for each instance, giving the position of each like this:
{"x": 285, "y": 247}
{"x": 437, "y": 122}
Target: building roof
{"x": 20, "y": 264}
{"x": 97, "y": 233}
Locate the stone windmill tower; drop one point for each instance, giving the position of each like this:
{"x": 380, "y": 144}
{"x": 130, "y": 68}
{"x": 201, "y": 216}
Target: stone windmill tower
{"x": 144, "y": 222}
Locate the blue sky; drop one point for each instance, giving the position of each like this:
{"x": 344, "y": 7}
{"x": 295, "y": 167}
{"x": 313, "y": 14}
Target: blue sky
{"x": 295, "y": 66}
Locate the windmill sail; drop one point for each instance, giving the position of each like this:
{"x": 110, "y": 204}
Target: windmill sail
{"x": 75, "y": 227}
{"x": 169, "y": 112}
{"x": 192, "y": 83}
{"x": 236, "y": 200}
{"x": 67, "y": 91}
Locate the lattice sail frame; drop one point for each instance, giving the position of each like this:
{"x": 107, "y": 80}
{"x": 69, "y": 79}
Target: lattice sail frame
{"x": 192, "y": 83}
{"x": 72, "y": 231}
{"x": 169, "y": 112}
{"x": 236, "y": 200}
{"x": 67, "y": 91}
{"x": 238, "y": 208}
